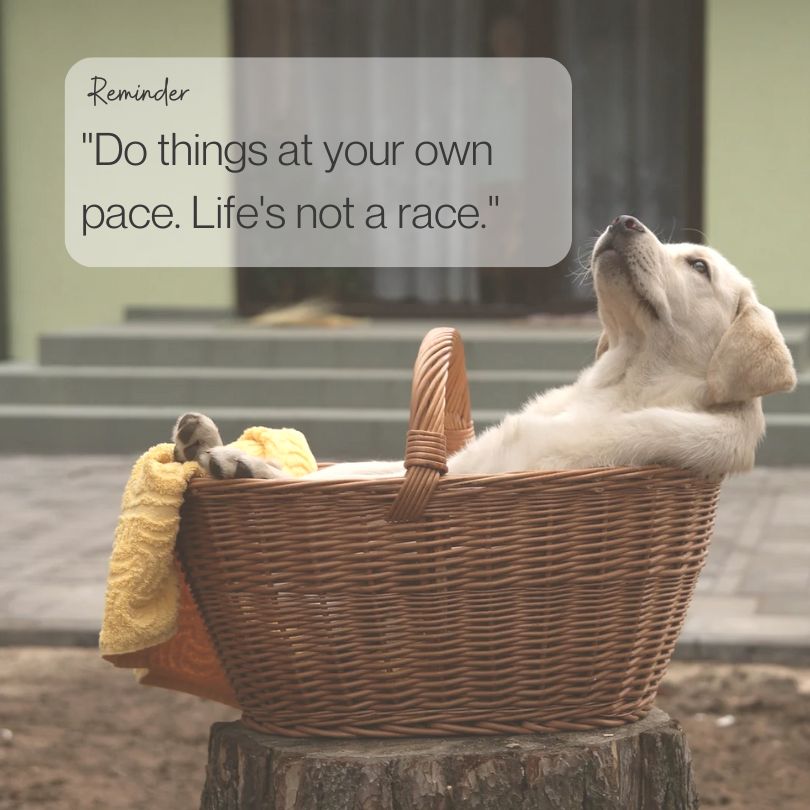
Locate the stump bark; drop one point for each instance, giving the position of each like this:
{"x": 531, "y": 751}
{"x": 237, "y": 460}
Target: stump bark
{"x": 641, "y": 766}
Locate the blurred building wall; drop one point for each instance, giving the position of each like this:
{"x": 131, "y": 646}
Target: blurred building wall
{"x": 41, "y": 39}
{"x": 757, "y": 172}
{"x": 757, "y": 158}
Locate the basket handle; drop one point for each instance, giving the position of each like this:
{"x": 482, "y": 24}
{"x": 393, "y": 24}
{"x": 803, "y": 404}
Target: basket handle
{"x": 440, "y": 421}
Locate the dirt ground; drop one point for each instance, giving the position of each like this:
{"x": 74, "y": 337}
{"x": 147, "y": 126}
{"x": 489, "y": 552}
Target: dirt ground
{"x": 749, "y": 731}
{"x": 76, "y": 734}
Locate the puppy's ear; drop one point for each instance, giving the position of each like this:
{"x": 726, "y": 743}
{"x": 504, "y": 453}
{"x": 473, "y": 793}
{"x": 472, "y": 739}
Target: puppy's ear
{"x": 751, "y": 359}
{"x": 602, "y": 346}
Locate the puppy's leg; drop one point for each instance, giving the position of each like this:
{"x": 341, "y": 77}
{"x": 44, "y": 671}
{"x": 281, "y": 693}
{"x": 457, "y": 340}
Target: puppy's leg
{"x": 362, "y": 469}
{"x": 229, "y": 462}
{"x": 196, "y": 438}
{"x": 706, "y": 443}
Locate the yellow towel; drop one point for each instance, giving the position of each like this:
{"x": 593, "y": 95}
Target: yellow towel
{"x": 151, "y": 623}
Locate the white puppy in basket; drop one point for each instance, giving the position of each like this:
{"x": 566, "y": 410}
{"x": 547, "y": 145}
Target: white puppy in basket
{"x": 686, "y": 353}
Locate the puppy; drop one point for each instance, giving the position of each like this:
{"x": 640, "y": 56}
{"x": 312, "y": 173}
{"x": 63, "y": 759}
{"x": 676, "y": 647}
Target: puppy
{"x": 685, "y": 354}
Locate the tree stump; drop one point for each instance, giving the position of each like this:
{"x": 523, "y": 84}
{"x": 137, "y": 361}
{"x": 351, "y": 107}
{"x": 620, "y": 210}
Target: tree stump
{"x": 641, "y": 766}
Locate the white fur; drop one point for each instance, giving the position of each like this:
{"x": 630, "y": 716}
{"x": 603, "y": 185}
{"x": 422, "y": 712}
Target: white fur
{"x": 645, "y": 399}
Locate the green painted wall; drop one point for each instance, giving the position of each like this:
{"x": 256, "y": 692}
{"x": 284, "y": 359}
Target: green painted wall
{"x": 41, "y": 39}
{"x": 757, "y": 194}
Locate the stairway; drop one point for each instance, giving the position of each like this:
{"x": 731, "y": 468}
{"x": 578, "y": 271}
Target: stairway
{"x": 119, "y": 389}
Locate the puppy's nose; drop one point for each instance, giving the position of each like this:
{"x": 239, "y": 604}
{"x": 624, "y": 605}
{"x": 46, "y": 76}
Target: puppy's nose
{"x": 626, "y": 223}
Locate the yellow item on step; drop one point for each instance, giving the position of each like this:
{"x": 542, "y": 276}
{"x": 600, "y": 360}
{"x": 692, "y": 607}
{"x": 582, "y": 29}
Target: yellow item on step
{"x": 151, "y": 623}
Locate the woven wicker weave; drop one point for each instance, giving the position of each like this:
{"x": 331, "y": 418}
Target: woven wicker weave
{"x": 477, "y": 604}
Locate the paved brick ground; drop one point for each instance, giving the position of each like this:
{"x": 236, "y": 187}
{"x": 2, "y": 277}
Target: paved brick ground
{"x": 58, "y": 518}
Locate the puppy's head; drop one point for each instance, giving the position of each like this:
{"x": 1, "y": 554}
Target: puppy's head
{"x": 686, "y": 307}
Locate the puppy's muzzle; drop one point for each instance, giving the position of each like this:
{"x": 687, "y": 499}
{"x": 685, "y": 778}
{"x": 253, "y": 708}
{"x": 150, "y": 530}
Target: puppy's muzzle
{"x": 620, "y": 232}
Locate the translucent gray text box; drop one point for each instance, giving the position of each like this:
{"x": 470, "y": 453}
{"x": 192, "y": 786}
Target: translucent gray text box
{"x": 420, "y": 162}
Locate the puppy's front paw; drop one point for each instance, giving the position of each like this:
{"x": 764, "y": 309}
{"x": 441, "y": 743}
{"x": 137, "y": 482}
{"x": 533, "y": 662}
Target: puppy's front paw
{"x": 193, "y": 434}
{"x": 229, "y": 462}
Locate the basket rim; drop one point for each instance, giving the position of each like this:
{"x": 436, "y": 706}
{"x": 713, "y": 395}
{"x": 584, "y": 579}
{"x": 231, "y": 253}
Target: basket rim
{"x": 205, "y": 485}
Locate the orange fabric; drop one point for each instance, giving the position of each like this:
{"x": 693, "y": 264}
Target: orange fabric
{"x": 187, "y": 662}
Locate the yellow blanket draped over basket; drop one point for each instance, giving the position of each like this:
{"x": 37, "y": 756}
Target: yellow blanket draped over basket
{"x": 151, "y": 623}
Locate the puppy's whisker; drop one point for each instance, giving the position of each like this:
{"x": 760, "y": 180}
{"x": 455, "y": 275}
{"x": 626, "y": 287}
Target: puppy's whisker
{"x": 700, "y": 233}
{"x": 577, "y": 273}
{"x": 580, "y": 279}
{"x": 582, "y": 271}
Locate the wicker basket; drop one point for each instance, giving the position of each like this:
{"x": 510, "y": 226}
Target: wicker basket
{"x": 476, "y": 604}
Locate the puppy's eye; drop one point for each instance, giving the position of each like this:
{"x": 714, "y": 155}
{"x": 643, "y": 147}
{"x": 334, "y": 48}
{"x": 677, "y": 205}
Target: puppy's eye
{"x": 700, "y": 266}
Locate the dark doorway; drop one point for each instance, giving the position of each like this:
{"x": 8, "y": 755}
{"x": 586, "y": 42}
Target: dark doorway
{"x": 637, "y": 72}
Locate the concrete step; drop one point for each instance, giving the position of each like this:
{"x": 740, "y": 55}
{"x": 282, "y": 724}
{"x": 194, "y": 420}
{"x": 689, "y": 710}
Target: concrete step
{"x": 201, "y": 388}
{"x": 334, "y": 433}
{"x": 59, "y": 429}
{"x": 787, "y": 440}
{"x": 387, "y": 345}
